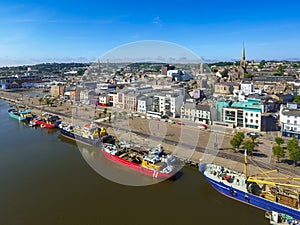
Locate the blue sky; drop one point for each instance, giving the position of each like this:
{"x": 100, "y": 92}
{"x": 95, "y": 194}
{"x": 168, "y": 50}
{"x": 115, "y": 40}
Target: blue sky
{"x": 45, "y": 31}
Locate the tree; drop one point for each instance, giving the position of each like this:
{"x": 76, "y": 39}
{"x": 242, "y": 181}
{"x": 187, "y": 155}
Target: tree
{"x": 297, "y": 99}
{"x": 240, "y": 135}
{"x": 278, "y": 151}
{"x": 262, "y": 64}
{"x": 80, "y": 71}
{"x": 235, "y": 143}
{"x": 294, "y": 150}
{"x": 109, "y": 117}
{"x": 248, "y": 75}
{"x": 224, "y": 73}
{"x": 279, "y": 70}
{"x": 41, "y": 100}
{"x": 237, "y": 140}
{"x": 253, "y": 138}
{"x": 249, "y": 146}
{"x": 279, "y": 140}
{"x": 47, "y": 101}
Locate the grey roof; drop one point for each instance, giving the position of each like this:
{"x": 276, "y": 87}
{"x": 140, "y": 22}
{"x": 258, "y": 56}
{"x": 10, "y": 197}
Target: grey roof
{"x": 273, "y": 78}
{"x": 257, "y": 96}
{"x": 228, "y": 83}
{"x": 247, "y": 79}
{"x": 189, "y": 105}
{"x": 203, "y": 107}
{"x": 291, "y": 112}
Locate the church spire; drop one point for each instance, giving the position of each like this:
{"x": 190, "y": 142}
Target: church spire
{"x": 243, "y": 52}
{"x": 243, "y": 64}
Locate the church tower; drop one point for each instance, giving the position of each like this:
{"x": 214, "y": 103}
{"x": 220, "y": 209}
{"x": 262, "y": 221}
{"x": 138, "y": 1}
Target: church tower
{"x": 243, "y": 65}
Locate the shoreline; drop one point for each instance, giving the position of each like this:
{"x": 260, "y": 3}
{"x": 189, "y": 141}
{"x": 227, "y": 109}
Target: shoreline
{"x": 200, "y": 154}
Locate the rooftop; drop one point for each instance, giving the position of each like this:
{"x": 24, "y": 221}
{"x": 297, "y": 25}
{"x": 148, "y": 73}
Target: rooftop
{"x": 291, "y": 112}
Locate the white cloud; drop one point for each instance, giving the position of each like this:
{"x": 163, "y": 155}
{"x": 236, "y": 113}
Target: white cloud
{"x": 157, "y": 20}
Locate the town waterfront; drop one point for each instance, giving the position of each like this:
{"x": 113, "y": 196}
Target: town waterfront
{"x": 45, "y": 180}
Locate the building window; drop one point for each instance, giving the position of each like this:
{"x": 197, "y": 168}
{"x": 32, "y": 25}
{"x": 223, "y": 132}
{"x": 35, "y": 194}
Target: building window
{"x": 246, "y": 114}
{"x": 288, "y": 121}
{"x": 256, "y": 115}
{"x": 251, "y": 121}
{"x": 295, "y": 122}
{"x": 256, "y": 121}
{"x": 251, "y": 114}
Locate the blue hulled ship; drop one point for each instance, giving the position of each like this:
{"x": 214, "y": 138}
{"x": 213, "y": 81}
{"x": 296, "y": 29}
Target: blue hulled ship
{"x": 267, "y": 193}
{"x": 89, "y": 134}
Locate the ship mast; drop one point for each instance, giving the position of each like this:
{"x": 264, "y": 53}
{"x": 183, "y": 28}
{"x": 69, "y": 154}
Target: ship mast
{"x": 245, "y": 164}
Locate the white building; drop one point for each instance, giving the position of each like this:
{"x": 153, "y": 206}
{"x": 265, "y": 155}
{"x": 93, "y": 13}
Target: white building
{"x": 144, "y": 104}
{"x": 85, "y": 96}
{"x": 247, "y": 88}
{"x": 171, "y": 72}
{"x": 243, "y": 114}
{"x": 196, "y": 113}
{"x": 290, "y": 120}
{"x": 168, "y": 104}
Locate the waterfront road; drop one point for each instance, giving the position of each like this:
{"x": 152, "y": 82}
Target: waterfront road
{"x": 214, "y": 142}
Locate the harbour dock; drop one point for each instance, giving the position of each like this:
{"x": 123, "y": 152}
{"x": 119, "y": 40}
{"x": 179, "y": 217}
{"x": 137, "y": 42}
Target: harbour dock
{"x": 203, "y": 150}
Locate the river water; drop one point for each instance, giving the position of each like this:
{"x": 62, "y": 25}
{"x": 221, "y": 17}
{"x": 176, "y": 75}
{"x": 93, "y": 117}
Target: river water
{"x": 45, "y": 180}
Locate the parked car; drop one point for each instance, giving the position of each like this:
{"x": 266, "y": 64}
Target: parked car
{"x": 202, "y": 126}
{"x": 180, "y": 123}
{"x": 171, "y": 121}
{"x": 253, "y": 134}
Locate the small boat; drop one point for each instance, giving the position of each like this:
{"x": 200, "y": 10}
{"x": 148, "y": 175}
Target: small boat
{"x": 47, "y": 121}
{"x": 280, "y": 218}
{"x": 22, "y": 115}
{"x": 279, "y": 194}
{"x": 153, "y": 162}
{"x": 32, "y": 124}
{"x": 89, "y": 134}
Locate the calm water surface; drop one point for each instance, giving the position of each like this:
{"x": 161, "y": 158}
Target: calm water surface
{"x": 46, "y": 181}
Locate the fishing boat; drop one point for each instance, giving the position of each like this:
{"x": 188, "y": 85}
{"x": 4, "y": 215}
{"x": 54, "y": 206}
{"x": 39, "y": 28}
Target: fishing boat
{"x": 47, "y": 120}
{"x": 262, "y": 191}
{"x": 21, "y": 115}
{"x": 281, "y": 218}
{"x": 153, "y": 162}
{"x": 89, "y": 134}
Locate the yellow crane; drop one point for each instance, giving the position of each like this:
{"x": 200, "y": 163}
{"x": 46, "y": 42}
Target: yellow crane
{"x": 269, "y": 180}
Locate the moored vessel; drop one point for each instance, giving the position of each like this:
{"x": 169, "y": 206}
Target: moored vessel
{"x": 276, "y": 218}
{"x": 21, "y": 115}
{"x": 89, "y": 134}
{"x": 47, "y": 120}
{"x": 153, "y": 162}
{"x": 267, "y": 193}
